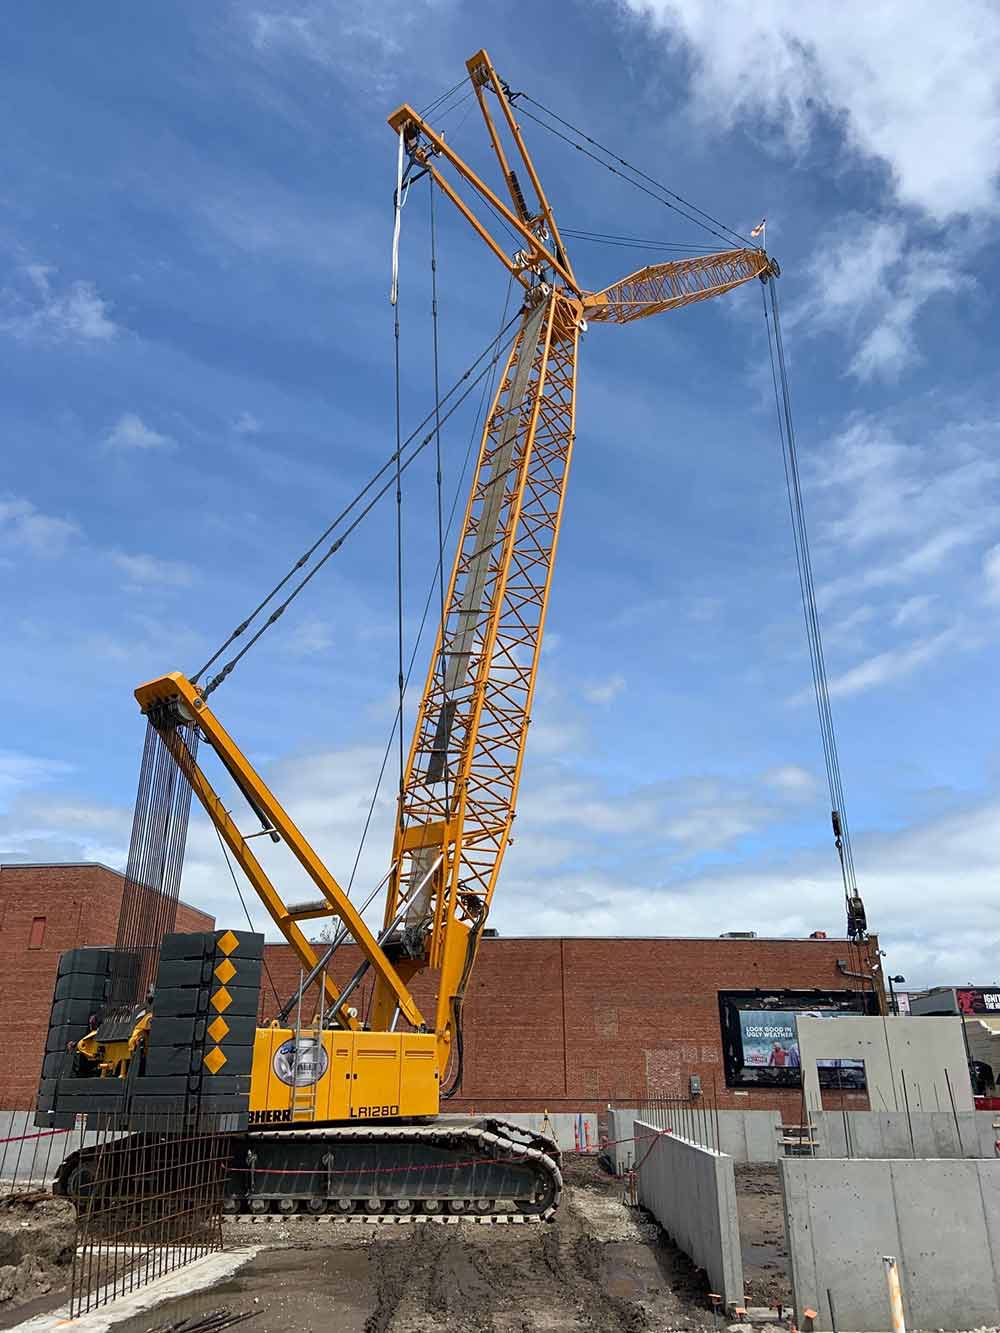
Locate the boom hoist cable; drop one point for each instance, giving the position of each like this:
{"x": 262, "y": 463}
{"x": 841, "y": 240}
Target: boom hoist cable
{"x": 496, "y": 346}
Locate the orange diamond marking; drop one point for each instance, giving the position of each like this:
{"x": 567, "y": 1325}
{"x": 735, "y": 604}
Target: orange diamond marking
{"x": 214, "y": 1060}
{"x": 221, "y": 1000}
{"x": 225, "y": 971}
{"x": 218, "y": 1028}
{"x": 227, "y": 943}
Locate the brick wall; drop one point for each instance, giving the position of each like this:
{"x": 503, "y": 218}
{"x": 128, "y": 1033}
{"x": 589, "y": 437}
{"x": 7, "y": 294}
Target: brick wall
{"x": 45, "y": 910}
{"x": 548, "y": 1022}
{"x": 575, "y": 1022}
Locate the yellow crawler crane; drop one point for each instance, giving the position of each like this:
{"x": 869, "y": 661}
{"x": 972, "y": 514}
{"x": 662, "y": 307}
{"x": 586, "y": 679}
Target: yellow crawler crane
{"x": 462, "y": 773}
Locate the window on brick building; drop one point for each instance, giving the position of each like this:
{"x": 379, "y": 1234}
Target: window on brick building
{"x": 37, "y": 935}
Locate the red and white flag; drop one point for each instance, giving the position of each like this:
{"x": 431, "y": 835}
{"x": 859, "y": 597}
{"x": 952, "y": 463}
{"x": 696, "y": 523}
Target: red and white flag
{"x": 759, "y": 229}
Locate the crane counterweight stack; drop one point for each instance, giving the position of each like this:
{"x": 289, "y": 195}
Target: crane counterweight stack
{"x": 460, "y": 779}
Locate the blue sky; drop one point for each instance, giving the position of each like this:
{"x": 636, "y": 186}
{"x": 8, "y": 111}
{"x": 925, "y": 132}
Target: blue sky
{"x": 196, "y": 217}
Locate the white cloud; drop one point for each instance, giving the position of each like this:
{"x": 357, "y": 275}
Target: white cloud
{"x": 19, "y": 771}
{"x": 913, "y": 84}
{"x": 142, "y": 571}
{"x": 643, "y": 889}
{"x": 867, "y": 279}
{"x": 604, "y": 691}
{"x": 893, "y": 664}
{"x": 131, "y": 432}
{"x": 23, "y": 526}
{"x": 904, "y": 508}
{"x": 311, "y": 636}
{"x": 914, "y": 609}
{"x": 904, "y": 878}
{"x": 791, "y": 779}
{"x": 38, "y": 308}
{"x": 246, "y": 424}
{"x": 991, "y": 569}
{"x": 366, "y": 42}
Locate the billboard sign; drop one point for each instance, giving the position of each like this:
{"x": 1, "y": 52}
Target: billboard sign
{"x": 770, "y": 1041}
{"x": 769, "y": 1038}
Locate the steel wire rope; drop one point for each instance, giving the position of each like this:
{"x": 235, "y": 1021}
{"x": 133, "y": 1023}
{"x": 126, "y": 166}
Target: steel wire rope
{"x": 442, "y": 97}
{"x": 246, "y": 910}
{"x": 484, "y": 397}
{"x": 304, "y": 559}
{"x": 633, "y": 242}
{"x": 807, "y": 562}
{"x": 399, "y": 514}
{"x": 636, "y": 184}
{"x": 438, "y": 472}
{"x": 841, "y": 826}
{"x": 488, "y": 379}
{"x": 803, "y": 560}
{"x": 728, "y": 240}
{"x": 707, "y": 218}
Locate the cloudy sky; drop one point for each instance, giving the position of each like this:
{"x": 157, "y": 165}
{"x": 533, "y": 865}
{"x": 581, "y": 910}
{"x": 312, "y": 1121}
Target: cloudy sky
{"x": 196, "y": 217}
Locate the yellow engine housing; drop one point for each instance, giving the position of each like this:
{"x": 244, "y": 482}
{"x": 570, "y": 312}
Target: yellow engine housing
{"x": 344, "y": 1076}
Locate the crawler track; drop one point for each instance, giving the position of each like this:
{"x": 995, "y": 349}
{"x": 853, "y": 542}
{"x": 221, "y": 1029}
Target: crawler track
{"x": 455, "y": 1165}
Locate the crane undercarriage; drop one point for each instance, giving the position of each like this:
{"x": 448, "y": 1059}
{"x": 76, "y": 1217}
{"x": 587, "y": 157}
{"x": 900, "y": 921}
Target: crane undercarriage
{"x": 456, "y": 1165}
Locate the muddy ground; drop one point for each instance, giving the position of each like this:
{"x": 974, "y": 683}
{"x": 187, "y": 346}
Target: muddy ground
{"x": 598, "y": 1266}
{"x": 762, "y": 1236}
{"x": 36, "y": 1253}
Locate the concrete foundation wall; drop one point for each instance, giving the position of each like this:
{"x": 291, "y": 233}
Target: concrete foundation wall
{"x": 745, "y": 1136}
{"x": 886, "y": 1134}
{"x": 941, "y": 1220}
{"x": 911, "y": 1064}
{"x": 691, "y": 1191}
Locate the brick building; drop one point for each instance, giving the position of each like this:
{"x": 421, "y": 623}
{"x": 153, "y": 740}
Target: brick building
{"x": 557, "y": 1023}
{"x": 44, "y": 910}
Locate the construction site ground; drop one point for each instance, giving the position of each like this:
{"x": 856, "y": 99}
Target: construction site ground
{"x": 600, "y": 1265}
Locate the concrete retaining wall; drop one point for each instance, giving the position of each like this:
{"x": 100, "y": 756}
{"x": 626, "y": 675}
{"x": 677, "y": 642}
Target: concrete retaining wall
{"x": 745, "y": 1136}
{"x": 941, "y": 1219}
{"x": 691, "y": 1191}
{"x": 886, "y": 1134}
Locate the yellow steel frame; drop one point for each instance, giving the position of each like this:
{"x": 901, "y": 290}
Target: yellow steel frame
{"x": 462, "y": 774}
{"x": 176, "y": 694}
{"x": 463, "y": 770}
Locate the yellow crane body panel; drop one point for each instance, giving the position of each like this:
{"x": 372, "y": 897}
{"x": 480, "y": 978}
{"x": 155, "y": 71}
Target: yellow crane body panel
{"x": 341, "y": 1075}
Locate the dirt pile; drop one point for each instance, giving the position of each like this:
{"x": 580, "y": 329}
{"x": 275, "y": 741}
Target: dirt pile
{"x": 36, "y": 1250}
